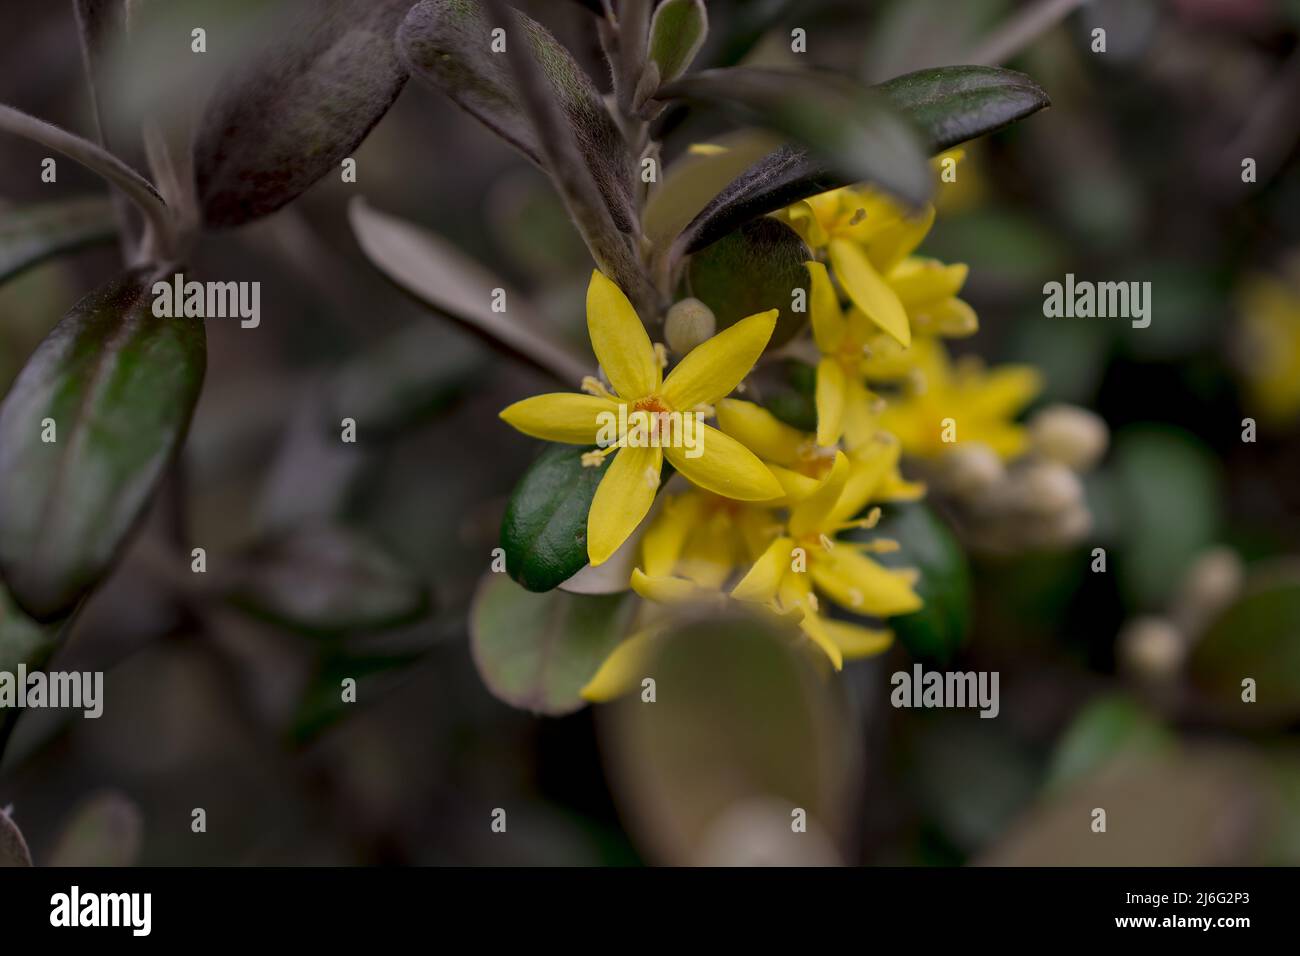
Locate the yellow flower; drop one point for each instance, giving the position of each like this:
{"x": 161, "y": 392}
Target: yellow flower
{"x": 869, "y": 239}
{"x": 1270, "y": 353}
{"x": 799, "y": 462}
{"x": 649, "y": 410}
{"x": 805, "y": 558}
{"x": 944, "y": 404}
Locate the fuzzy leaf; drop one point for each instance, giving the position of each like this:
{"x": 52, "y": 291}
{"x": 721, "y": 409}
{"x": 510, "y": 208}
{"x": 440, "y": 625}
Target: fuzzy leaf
{"x": 34, "y": 233}
{"x": 327, "y": 580}
{"x": 13, "y": 848}
{"x": 297, "y": 109}
{"x": 119, "y": 385}
{"x": 677, "y": 32}
{"x": 437, "y": 274}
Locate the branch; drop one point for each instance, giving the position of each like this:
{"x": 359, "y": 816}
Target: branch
{"x": 1022, "y": 29}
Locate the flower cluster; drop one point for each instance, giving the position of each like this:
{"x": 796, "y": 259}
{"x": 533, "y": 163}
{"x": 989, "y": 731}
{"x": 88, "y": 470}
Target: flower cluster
{"x": 764, "y": 513}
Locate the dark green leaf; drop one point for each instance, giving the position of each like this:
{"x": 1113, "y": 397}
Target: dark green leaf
{"x": 854, "y": 131}
{"x": 448, "y": 43}
{"x": 952, "y": 104}
{"x": 120, "y": 385}
{"x": 937, "y": 630}
{"x": 35, "y": 233}
{"x": 933, "y": 99}
{"x": 788, "y": 389}
{"x": 1258, "y": 636}
{"x": 544, "y": 531}
{"x": 537, "y": 651}
{"x": 401, "y": 380}
{"x": 327, "y": 580}
{"x": 677, "y": 31}
{"x": 298, "y": 108}
{"x": 751, "y": 270}
{"x": 13, "y": 848}
{"x": 22, "y": 640}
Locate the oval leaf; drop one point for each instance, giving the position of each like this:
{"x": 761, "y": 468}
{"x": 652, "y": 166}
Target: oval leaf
{"x": 327, "y": 580}
{"x": 118, "y": 385}
{"x": 937, "y": 630}
{"x": 544, "y": 531}
{"x": 854, "y": 131}
{"x": 677, "y": 32}
{"x": 951, "y": 104}
{"x": 753, "y": 269}
{"x": 448, "y": 43}
{"x": 296, "y": 110}
{"x": 35, "y": 233}
{"x": 537, "y": 651}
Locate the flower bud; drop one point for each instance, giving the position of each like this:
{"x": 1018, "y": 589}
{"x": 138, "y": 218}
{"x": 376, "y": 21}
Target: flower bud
{"x": 1048, "y": 487}
{"x": 1152, "y": 648}
{"x": 1211, "y": 583}
{"x": 689, "y": 323}
{"x": 1073, "y": 436}
{"x": 971, "y": 469}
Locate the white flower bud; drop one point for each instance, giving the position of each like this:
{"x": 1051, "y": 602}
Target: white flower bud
{"x": 971, "y": 469}
{"x": 1049, "y": 487}
{"x": 1073, "y": 436}
{"x": 689, "y": 323}
{"x": 1152, "y": 648}
{"x": 1212, "y": 582}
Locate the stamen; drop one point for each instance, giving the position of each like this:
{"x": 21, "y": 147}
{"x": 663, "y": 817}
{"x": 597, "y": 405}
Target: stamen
{"x": 661, "y": 355}
{"x": 594, "y": 459}
{"x": 594, "y": 386}
{"x": 858, "y": 216}
{"x": 827, "y": 543}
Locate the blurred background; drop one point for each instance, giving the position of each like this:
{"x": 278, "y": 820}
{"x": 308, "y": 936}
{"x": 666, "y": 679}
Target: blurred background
{"x": 1119, "y": 689}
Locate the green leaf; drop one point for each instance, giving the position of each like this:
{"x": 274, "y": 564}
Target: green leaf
{"x": 854, "y": 131}
{"x": 448, "y": 44}
{"x": 325, "y": 580}
{"x": 22, "y": 640}
{"x": 937, "y": 630}
{"x": 544, "y": 531}
{"x": 788, "y": 388}
{"x": 933, "y": 100}
{"x": 677, "y": 32}
{"x": 753, "y": 269}
{"x": 743, "y": 729}
{"x": 401, "y": 380}
{"x": 437, "y": 274}
{"x": 1166, "y": 496}
{"x": 952, "y": 104}
{"x": 1257, "y": 636}
{"x": 297, "y": 108}
{"x": 1105, "y": 729}
{"x": 13, "y": 848}
{"x": 35, "y": 233}
{"x": 119, "y": 385}
{"x": 537, "y": 651}
{"x": 107, "y": 829}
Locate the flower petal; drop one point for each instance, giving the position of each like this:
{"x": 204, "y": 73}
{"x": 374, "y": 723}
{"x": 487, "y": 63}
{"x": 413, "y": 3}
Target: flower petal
{"x": 714, "y": 367}
{"x": 760, "y": 431}
{"x": 861, "y": 421}
{"x": 824, "y": 303}
{"x": 855, "y": 640}
{"x": 762, "y": 580}
{"x": 869, "y": 465}
{"x": 891, "y": 245}
{"x": 813, "y": 514}
{"x": 661, "y": 545}
{"x": 859, "y": 584}
{"x": 666, "y": 589}
{"x": 560, "y": 416}
{"x": 869, "y": 291}
{"x": 620, "y": 341}
{"x": 832, "y": 391}
{"x": 623, "y": 498}
{"x": 814, "y": 625}
{"x": 623, "y": 669}
{"x": 797, "y": 486}
{"x": 918, "y": 282}
{"x": 726, "y": 468}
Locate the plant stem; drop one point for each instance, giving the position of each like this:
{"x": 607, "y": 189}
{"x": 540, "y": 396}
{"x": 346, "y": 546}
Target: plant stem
{"x": 136, "y": 188}
{"x": 1022, "y": 29}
